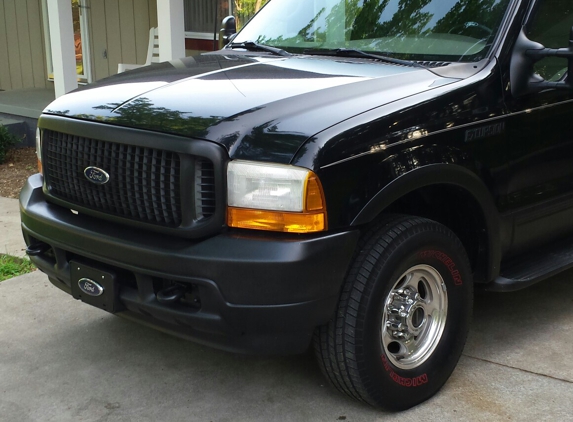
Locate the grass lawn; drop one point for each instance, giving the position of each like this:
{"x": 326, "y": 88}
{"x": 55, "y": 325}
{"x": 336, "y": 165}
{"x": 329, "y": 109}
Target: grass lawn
{"x": 12, "y": 266}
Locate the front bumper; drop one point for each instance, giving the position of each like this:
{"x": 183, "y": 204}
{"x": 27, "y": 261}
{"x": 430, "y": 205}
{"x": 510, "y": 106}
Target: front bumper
{"x": 258, "y": 292}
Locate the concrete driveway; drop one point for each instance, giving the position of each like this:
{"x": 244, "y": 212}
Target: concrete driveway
{"x": 61, "y": 360}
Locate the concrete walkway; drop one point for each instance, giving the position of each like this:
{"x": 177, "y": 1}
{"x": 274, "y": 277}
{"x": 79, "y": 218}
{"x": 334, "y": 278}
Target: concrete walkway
{"x": 11, "y": 240}
{"x": 62, "y": 360}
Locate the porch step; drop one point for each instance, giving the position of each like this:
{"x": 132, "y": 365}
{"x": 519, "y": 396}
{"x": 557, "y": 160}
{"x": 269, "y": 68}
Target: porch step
{"x": 18, "y": 128}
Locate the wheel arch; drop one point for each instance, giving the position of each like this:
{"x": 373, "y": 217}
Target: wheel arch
{"x": 452, "y": 195}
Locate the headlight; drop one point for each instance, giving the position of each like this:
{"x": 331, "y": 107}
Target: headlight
{"x": 274, "y": 197}
{"x": 39, "y": 148}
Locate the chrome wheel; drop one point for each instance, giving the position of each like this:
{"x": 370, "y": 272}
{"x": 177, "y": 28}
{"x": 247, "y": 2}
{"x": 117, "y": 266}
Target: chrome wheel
{"x": 414, "y": 317}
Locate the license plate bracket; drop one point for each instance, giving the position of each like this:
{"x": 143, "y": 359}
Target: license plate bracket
{"x": 95, "y": 286}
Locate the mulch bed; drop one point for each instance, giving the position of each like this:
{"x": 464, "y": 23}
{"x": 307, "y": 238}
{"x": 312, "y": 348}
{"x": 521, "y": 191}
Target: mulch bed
{"x": 20, "y": 164}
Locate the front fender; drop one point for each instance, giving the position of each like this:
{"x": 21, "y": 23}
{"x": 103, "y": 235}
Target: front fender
{"x": 441, "y": 174}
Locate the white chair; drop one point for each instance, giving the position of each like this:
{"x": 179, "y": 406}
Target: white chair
{"x": 152, "y": 53}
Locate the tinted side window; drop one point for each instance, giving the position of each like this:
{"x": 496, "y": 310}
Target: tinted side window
{"x": 550, "y": 26}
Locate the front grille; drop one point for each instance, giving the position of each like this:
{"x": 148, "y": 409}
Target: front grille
{"x": 204, "y": 189}
{"x": 144, "y": 183}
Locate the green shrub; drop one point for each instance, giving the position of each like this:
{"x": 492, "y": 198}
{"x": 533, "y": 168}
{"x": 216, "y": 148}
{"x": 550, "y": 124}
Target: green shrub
{"x": 7, "y": 141}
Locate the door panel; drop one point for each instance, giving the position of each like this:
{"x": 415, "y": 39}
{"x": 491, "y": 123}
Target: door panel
{"x": 540, "y": 130}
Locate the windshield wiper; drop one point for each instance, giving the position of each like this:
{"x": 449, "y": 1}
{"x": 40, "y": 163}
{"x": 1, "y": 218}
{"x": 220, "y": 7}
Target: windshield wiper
{"x": 352, "y": 52}
{"x": 253, "y": 46}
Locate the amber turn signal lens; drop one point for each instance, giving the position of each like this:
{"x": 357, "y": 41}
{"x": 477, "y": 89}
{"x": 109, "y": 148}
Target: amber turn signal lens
{"x": 40, "y": 169}
{"x": 290, "y": 222}
{"x": 314, "y": 200}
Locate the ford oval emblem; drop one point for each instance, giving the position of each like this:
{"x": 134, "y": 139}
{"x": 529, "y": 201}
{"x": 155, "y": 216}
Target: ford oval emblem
{"x": 96, "y": 175}
{"x": 90, "y": 287}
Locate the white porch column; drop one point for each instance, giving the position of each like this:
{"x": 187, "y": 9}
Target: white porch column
{"x": 170, "y": 17}
{"x": 62, "y": 45}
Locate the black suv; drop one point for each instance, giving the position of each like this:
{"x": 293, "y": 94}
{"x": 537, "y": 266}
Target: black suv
{"x": 343, "y": 174}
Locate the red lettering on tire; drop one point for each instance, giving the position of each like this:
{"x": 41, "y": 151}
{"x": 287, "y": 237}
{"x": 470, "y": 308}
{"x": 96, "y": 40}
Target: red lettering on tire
{"x": 403, "y": 381}
{"x": 447, "y": 261}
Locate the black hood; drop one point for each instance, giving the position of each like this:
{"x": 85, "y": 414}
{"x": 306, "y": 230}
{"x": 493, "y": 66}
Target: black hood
{"x": 263, "y": 105}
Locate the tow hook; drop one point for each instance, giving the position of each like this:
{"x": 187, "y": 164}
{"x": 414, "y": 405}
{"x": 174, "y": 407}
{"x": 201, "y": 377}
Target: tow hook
{"x": 171, "y": 294}
{"x": 38, "y": 248}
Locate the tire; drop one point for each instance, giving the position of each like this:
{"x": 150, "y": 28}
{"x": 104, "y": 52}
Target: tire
{"x": 403, "y": 315}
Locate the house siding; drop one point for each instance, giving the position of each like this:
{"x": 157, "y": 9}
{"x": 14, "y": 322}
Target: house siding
{"x": 119, "y": 32}
{"x": 22, "y": 55}
{"x": 118, "y": 29}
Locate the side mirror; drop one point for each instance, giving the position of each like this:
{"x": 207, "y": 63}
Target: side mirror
{"x": 228, "y": 31}
{"x": 526, "y": 53}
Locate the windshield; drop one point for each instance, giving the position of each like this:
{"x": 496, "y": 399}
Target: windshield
{"x": 425, "y": 30}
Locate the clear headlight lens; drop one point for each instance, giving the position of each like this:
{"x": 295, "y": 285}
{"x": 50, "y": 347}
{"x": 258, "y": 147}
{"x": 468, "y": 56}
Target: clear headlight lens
{"x": 266, "y": 187}
{"x": 274, "y": 197}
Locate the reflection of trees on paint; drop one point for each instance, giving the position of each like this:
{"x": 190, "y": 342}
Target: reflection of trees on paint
{"x": 264, "y": 141}
{"x": 143, "y": 114}
{"x": 267, "y": 142}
